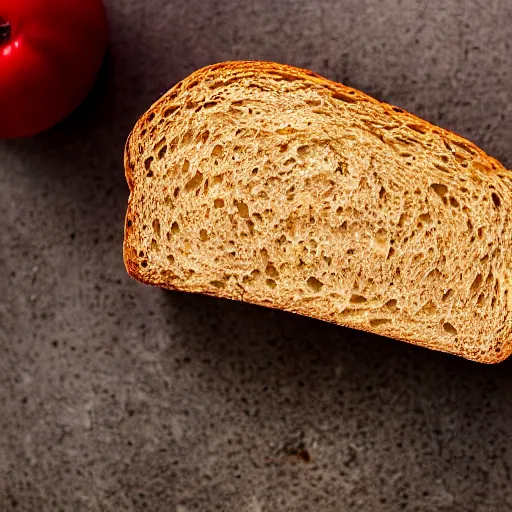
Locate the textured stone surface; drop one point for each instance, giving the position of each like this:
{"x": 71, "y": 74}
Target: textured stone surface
{"x": 115, "y": 396}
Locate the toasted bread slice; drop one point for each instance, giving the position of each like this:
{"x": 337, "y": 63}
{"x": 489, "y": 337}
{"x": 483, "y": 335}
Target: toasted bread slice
{"x": 269, "y": 184}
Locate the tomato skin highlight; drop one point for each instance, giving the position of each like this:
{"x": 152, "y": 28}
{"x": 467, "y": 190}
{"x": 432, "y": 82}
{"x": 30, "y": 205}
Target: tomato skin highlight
{"x": 50, "y": 54}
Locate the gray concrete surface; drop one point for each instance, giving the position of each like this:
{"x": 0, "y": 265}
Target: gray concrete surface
{"x": 115, "y": 396}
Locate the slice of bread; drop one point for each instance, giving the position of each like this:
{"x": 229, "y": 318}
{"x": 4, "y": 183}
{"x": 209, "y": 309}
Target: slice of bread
{"x": 269, "y": 184}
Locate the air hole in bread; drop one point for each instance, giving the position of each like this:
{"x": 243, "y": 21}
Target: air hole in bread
{"x": 339, "y": 96}
{"x": 390, "y": 305}
{"x": 204, "y": 136}
{"x": 186, "y": 166}
{"x": 283, "y": 147}
{"x": 496, "y": 199}
{"x": 141, "y": 254}
{"x": 243, "y": 209}
{"x": 418, "y": 257}
{"x": 328, "y": 260}
{"x": 480, "y": 300}
{"x": 129, "y": 223}
{"x": 170, "y": 110}
{"x": 357, "y": 299}
{"x": 281, "y": 240}
{"x": 156, "y": 227}
{"x": 417, "y": 128}
{"x": 429, "y": 308}
{"x": 425, "y": 218}
{"x": 194, "y": 182}
{"x": 271, "y": 271}
{"x": 480, "y": 232}
{"x": 218, "y": 203}
{"x": 477, "y": 282}
{"x": 391, "y": 252}
{"x": 382, "y": 192}
{"x": 314, "y": 284}
{"x": 341, "y": 168}
{"x": 288, "y": 130}
{"x": 447, "y": 146}
{"x": 403, "y": 218}
{"x": 303, "y": 151}
{"x": 218, "y": 283}
{"x": 154, "y": 244}
{"x": 454, "y": 202}
{"x": 176, "y": 192}
{"x": 442, "y": 168}
{"x": 439, "y": 189}
{"x": 376, "y": 322}
{"x": 218, "y": 179}
{"x": 203, "y": 235}
{"x": 271, "y": 283}
{"x": 187, "y": 138}
{"x": 434, "y": 274}
{"x": 255, "y": 273}
{"x": 250, "y": 225}
{"x": 449, "y": 328}
{"x": 447, "y": 294}
{"x": 148, "y": 162}
{"x": 144, "y": 263}
{"x": 162, "y": 153}
{"x": 175, "y": 228}
{"x": 170, "y": 258}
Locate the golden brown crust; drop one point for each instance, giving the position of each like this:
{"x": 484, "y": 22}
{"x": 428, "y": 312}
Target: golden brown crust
{"x": 233, "y": 71}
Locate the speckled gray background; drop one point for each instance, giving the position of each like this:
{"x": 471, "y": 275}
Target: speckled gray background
{"x": 115, "y": 396}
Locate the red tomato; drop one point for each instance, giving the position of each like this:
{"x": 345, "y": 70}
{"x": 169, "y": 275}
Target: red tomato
{"x": 50, "y": 54}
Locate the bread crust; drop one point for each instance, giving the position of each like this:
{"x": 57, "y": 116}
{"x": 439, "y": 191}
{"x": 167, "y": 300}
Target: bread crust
{"x": 234, "y": 71}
